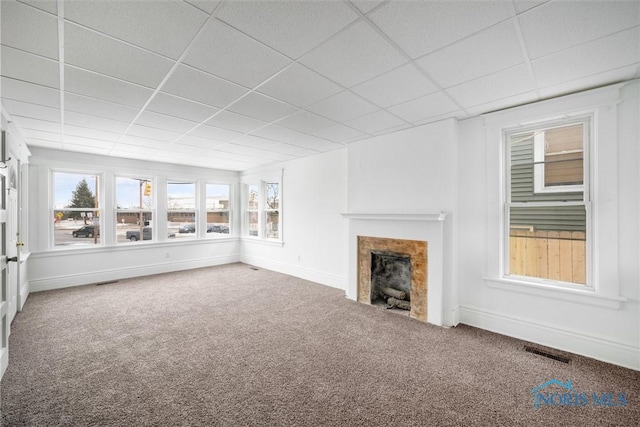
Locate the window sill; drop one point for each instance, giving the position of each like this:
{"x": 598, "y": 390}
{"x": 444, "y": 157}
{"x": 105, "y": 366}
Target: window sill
{"x": 268, "y": 242}
{"x": 582, "y": 296}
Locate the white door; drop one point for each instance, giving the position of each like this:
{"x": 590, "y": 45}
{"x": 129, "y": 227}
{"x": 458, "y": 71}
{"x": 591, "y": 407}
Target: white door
{"x": 11, "y": 238}
{"x": 4, "y": 288}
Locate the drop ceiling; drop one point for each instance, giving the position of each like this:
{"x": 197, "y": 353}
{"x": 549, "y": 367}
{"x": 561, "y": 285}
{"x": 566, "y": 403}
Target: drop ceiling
{"x": 239, "y": 84}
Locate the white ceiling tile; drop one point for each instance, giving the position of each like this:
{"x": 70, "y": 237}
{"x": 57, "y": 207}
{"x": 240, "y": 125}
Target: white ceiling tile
{"x": 106, "y": 88}
{"x": 28, "y": 67}
{"x": 162, "y": 121}
{"x": 199, "y": 86}
{"x": 376, "y": 122}
{"x": 41, "y": 135}
{"x": 125, "y": 149}
{"x": 165, "y": 27}
{"x": 510, "y": 101}
{"x": 299, "y": 86}
{"x": 339, "y": 134}
{"x": 29, "y": 92}
{"x": 595, "y": 57}
{"x": 50, "y": 6}
{"x": 87, "y": 142}
{"x": 366, "y": 6}
{"x": 90, "y": 133}
{"x": 343, "y": 106}
{"x": 425, "y": 107}
{"x": 262, "y": 107}
{"x": 34, "y": 124}
{"x": 89, "y": 50}
{"x": 292, "y": 150}
{"x": 304, "y": 121}
{"x": 509, "y": 82}
{"x": 491, "y": 50}
{"x": 141, "y": 142}
{"x": 524, "y": 5}
{"x": 45, "y": 143}
{"x": 208, "y": 6}
{"x": 178, "y": 107}
{"x": 396, "y": 86}
{"x": 235, "y": 122}
{"x": 89, "y": 149}
{"x": 289, "y": 136}
{"x": 97, "y": 107}
{"x": 29, "y": 29}
{"x": 291, "y": 27}
{"x": 89, "y": 121}
{"x": 353, "y": 56}
{"x": 595, "y": 80}
{"x": 25, "y": 109}
{"x": 195, "y": 141}
{"x": 559, "y": 25}
{"x": 153, "y": 133}
{"x": 215, "y": 133}
{"x": 227, "y": 53}
{"x": 423, "y": 26}
{"x": 254, "y": 142}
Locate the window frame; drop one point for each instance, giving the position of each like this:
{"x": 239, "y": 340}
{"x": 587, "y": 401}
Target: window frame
{"x": 587, "y": 120}
{"x": 195, "y": 210}
{"x": 152, "y": 210}
{"x": 52, "y": 209}
{"x": 229, "y": 210}
{"x": 262, "y": 210}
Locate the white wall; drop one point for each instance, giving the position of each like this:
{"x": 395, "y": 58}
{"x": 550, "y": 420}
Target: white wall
{"x": 314, "y": 193}
{"x": 51, "y": 268}
{"x": 605, "y": 328}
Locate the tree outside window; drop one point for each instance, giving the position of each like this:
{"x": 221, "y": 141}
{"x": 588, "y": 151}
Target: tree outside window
{"x": 76, "y": 212}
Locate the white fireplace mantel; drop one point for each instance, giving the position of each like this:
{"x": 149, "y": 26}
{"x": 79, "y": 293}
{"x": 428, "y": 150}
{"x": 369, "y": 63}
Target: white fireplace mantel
{"x": 425, "y": 226}
{"x": 397, "y": 216}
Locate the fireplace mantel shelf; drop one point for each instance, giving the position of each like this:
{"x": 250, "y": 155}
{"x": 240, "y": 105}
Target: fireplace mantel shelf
{"x": 396, "y": 216}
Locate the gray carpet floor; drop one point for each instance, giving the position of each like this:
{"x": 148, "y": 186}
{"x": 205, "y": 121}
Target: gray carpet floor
{"x": 234, "y": 346}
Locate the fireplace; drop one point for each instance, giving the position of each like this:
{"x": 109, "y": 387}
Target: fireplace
{"x": 398, "y": 264}
{"x": 419, "y": 236}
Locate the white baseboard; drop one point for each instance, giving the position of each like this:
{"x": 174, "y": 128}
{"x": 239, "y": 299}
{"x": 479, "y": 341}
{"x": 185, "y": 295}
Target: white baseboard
{"x": 548, "y": 335}
{"x": 327, "y": 279}
{"x": 66, "y": 281}
{"x": 24, "y": 294}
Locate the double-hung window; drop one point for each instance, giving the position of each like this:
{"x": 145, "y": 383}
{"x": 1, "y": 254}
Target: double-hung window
{"x": 134, "y": 209}
{"x": 547, "y": 202}
{"x": 218, "y": 209}
{"x": 263, "y": 207}
{"x": 181, "y": 209}
{"x": 76, "y": 212}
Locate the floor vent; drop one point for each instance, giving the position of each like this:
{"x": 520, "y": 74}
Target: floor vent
{"x": 254, "y": 268}
{"x": 547, "y": 354}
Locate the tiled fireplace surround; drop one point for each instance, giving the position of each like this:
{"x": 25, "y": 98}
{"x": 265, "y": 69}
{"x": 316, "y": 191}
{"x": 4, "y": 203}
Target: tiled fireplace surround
{"x": 418, "y": 235}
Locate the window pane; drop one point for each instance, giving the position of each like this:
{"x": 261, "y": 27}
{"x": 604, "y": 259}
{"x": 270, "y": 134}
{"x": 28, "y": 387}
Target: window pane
{"x": 563, "y": 156}
{"x": 133, "y": 224}
{"x": 252, "y": 223}
{"x": 548, "y": 242}
{"x": 273, "y": 195}
{"x": 133, "y": 193}
{"x": 75, "y": 209}
{"x": 253, "y": 195}
{"x": 181, "y": 205}
{"x": 217, "y": 209}
{"x": 272, "y": 229}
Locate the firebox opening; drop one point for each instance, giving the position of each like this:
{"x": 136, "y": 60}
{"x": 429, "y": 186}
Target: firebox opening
{"x": 391, "y": 280}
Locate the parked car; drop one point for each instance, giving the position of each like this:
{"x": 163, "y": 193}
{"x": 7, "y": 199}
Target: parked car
{"x": 147, "y": 234}
{"x": 134, "y": 235}
{"x": 187, "y": 228}
{"x": 212, "y": 228}
{"x": 86, "y": 231}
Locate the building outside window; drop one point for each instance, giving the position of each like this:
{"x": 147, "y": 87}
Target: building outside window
{"x": 217, "y": 206}
{"x": 181, "y": 209}
{"x": 134, "y": 209}
{"x": 547, "y": 202}
{"x": 76, "y": 212}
